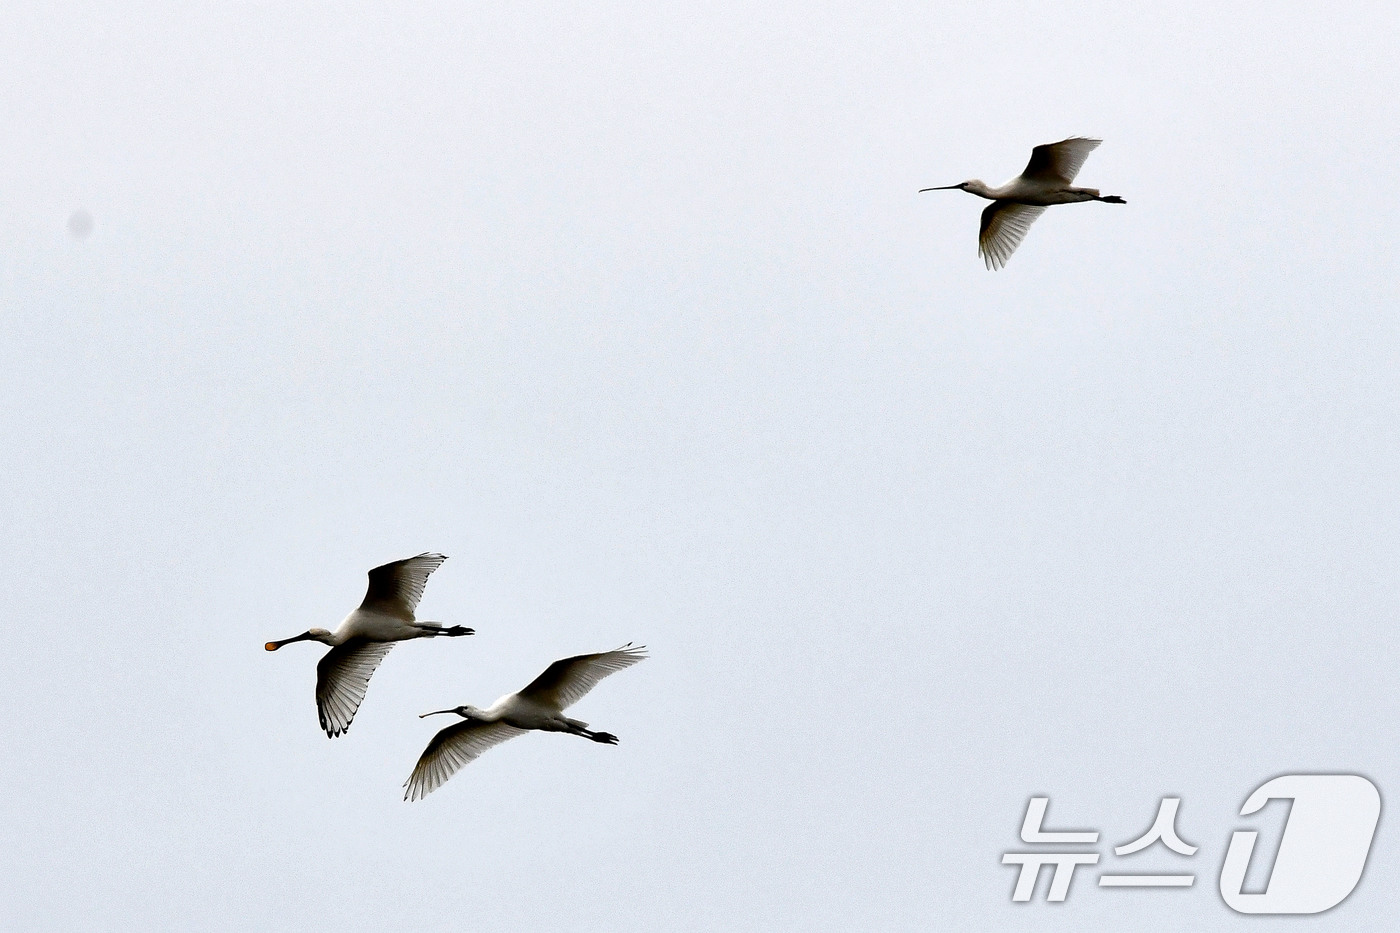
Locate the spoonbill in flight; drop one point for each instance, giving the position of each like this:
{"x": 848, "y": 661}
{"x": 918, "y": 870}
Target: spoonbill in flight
{"x": 540, "y": 706}
{"x": 1047, "y": 180}
{"x": 367, "y": 635}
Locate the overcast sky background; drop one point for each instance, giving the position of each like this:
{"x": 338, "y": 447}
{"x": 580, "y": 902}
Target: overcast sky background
{"x": 635, "y": 313}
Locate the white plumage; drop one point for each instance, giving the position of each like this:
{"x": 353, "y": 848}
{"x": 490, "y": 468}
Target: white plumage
{"x": 539, "y": 706}
{"x": 1047, "y": 180}
{"x": 367, "y": 635}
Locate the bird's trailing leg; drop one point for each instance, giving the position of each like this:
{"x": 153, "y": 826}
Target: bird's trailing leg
{"x": 576, "y": 727}
{"x": 435, "y": 629}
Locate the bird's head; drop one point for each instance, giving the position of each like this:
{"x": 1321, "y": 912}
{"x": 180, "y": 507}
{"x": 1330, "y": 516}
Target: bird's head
{"x": 466, "y": 712}
{"x": 969, "y": 185}
{"x": 311, "y": 634}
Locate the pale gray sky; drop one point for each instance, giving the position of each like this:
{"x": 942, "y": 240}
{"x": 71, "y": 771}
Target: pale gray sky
{"x": 634, "y": 312}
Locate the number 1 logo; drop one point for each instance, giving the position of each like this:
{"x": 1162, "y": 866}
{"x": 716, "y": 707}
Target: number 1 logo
{"x": 1324, "y": 846}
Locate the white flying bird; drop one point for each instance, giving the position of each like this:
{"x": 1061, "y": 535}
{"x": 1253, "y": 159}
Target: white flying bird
{"x": 541, "y": 706}
{"x": 1047, "y": 180}
{"x": 367, "y": 635}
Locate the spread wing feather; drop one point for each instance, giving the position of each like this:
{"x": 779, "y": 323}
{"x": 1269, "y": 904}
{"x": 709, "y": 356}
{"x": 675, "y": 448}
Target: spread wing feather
{"x": 394, "y": 589}
{"x": 452, "y": 748}
{"x": 342, "y": 677}
{"x": 1060, "y": 161}
{"x": 566, "y": 682}
{"x": 1004, "y": 226}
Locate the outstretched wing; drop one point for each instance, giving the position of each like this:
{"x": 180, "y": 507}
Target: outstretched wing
{"x": 1004, "y": 226}
{"x": 1060, "y": 161}
{"x": 565, "y": 682}
{"x": 452, "y": 748}
{"x": 342, "y": 677}
{"x": 394, "y": 589}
